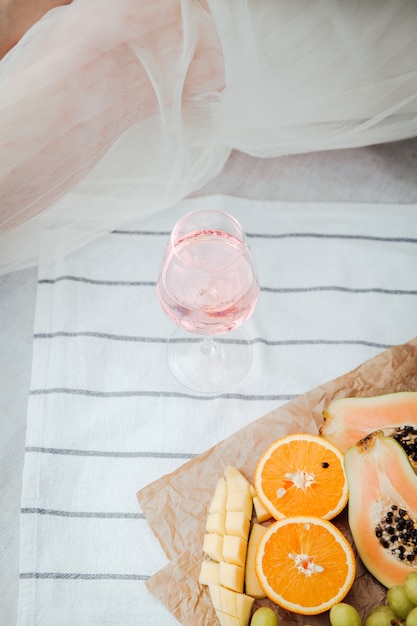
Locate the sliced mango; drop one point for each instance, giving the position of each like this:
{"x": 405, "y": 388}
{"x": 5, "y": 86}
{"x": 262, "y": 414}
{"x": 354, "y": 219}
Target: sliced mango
{"x": 262, "y": 514}
{"x": 232, "y": 576}
{"x": 216, "y": 523}
{"x": 227, "y": 620}
{"x": 226, "y": 544}
{"x": 234, "y": 550}
{"x": 218, "y": 503}
{"x": 209, "y": 573}
{"x": 237, "y": 523}
{"x": 240, "y": 501}
{"x": 252, "y": 585}
{"x": 234, "y": 604}
{"x": 213, "y": 546}
{"x": 235, "y": 480}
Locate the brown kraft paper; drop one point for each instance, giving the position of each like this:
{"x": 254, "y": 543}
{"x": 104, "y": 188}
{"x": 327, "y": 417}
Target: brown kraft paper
{"x": 175, "y": 506}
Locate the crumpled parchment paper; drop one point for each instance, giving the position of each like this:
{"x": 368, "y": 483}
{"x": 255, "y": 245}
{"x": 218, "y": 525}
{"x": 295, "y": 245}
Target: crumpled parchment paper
{"x": 175, "y": 506}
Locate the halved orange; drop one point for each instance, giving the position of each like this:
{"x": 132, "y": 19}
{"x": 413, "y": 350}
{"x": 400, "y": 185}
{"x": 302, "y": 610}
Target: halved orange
{"x": 302, "y": 474}
{"x": 305, "y": 564}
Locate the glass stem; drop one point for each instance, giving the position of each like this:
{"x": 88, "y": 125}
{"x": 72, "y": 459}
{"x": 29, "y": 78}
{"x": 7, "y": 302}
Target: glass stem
{"x": 208, "y": 347}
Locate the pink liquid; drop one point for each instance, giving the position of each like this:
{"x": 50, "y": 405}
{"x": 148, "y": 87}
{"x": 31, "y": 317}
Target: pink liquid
{"x": 208, "y": 283}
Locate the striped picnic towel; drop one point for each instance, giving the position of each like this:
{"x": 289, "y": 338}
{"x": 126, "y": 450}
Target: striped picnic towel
{"x": 105, "y": 417}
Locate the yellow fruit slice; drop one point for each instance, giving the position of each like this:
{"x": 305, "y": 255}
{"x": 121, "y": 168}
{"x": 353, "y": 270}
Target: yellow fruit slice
{"x": 234, "y": 550}
{"x": 213, "y": 546}
{"x": 209, "y": 573}
{"x": 305, "y": 564}
{"x": 225, "y": 544}
{"x": 233, "y": 604}
{"x": 252, "y": 586}
{"x": 302, "y": 474}
{"x": 262, "y": 514}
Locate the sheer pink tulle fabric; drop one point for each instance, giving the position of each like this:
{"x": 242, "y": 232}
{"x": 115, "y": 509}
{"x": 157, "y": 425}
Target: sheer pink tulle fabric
{"x": 110, "y": 110}
{"x": 84, "y": 75}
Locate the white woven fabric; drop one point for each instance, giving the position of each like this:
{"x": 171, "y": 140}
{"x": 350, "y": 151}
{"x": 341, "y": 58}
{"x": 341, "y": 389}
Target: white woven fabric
{"x": 105, "y": 416}
{"x": 130, "y": 106}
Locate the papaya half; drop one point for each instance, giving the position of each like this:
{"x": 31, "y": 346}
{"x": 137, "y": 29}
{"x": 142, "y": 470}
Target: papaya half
{"x": 382, "y": 509}
{"x": 348, "y": 420}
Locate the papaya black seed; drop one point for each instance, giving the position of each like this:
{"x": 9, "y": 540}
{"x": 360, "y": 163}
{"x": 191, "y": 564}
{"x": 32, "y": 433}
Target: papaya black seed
{"x": 406, "y": 436}
{"x": 398, "y": 533}
{"x": 325, "y": 464}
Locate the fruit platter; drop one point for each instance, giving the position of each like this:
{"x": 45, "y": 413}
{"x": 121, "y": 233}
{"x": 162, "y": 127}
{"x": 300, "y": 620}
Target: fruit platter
{"x": 307, "y": 516}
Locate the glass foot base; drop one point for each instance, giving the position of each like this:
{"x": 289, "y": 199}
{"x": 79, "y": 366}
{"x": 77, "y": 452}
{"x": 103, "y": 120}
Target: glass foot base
{"x": 209, "y": 366}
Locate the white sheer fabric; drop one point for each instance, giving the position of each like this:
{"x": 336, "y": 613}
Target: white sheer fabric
{"x": 110, "y": 110}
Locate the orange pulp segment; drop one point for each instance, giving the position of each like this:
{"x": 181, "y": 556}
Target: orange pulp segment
{"x": 302, "y": 474}
{"x": 305, "y": 564}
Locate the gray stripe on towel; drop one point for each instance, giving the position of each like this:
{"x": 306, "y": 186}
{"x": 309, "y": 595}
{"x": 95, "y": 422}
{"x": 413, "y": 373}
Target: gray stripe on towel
{"x": 164, "y": 233}
{"x": 112, "y": 454}
{"x": 267, "y": 342}
{"x": 80, "y": 514}
{"x": 157, "y": 394}
{"x": 72, "y": 576}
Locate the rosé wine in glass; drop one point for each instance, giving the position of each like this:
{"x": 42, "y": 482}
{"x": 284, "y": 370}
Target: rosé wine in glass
{"x": 208, "y": 286}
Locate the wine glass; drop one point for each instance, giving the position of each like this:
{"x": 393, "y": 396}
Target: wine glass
{"x": 208, "y": 286}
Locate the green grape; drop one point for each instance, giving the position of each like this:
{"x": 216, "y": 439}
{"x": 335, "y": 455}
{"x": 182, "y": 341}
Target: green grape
{"x": 379, "y": 618}
{"x": 264, "y": 617}
{"x": 383, "y": 608}
{"x": 343, "y": 614}
{"x": 381, "y": 615}
{"x": 410, "y": 586}
{"x": 412, "y": 618}
{"x": 398, "y": 601}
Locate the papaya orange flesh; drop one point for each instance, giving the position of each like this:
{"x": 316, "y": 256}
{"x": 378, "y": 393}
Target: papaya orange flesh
{"x": 347, "y": 420}
{"x": 382, "y": 508}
